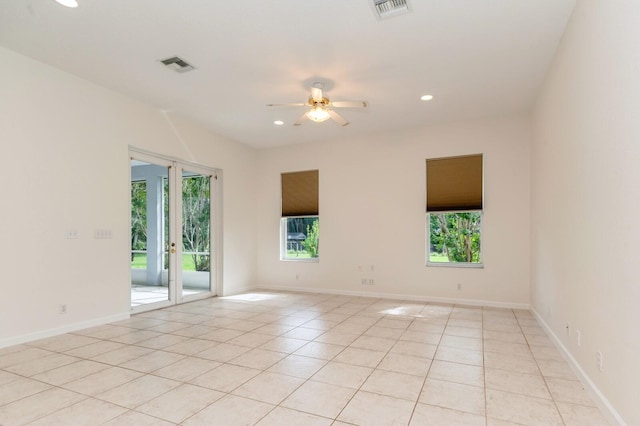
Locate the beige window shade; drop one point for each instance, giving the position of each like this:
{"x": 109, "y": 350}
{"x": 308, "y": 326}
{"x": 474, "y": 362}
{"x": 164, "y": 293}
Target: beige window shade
{"x": 300, "y": 193}
{"x": 454, "y": 183}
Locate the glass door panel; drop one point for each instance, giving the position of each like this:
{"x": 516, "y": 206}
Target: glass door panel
{"x": 150, "y": 275}
{"x": 196, "y": 233}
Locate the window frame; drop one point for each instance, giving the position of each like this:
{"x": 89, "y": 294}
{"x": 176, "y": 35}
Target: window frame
{"x": 283, "y": 240}
{"x": 448, "y": 264}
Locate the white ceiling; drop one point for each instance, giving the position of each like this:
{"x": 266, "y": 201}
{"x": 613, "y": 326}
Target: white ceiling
{"x": 478, "y": 58}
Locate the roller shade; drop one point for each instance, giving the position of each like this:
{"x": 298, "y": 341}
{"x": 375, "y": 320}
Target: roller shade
{"x": 454, "y": 183}
{"x": 300, "y": 193}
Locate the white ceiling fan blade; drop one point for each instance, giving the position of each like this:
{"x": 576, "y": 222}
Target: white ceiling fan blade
{"x": 349, "y": 104}
{"x": 301, "y": 120}
{"x": 337, "y": 118}
{"x": 316, "y": 94}
{"x": 287, "y": 105}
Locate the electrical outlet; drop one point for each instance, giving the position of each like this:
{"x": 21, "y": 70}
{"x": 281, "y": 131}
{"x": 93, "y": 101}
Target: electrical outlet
{"x": 297, "y": 277}
{"x": 599, "y": 361}
{"x": 372, "y": 282}
{"x": 459, "y": 286}
{"x": 578, "y": 338}
{"x": 71, "y": 234}
{"x": 363, "y": 281}
{"x": 567, "y": 329}
{"x": 62, "y": 309}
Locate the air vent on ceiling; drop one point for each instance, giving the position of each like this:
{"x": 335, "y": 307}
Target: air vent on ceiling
{"x": 177, "y": 64}
{"x": 385, "y": 9}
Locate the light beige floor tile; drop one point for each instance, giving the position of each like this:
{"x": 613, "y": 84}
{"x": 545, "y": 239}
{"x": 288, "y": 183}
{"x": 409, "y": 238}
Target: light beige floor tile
{"x": 11, "y": 349}
{"x": 545, "y": 352}
{"x": 455, "y": 396}
{"x": 339, "y": 374}
{"x": 540, "y": 340}
{"x": 285, "y": 416}
{"x": 162, "y": 341}
{"x": 223, "y": 352}
{"x": 451, "y": 330}
{"x": 169, "y": 327}
{"x": 579, "y": 415}
{"x": 269, "y": 387}
{"x": 135, "y": 336}
{"x": 191, "y": 346}
{"x": 273, "y": 329}
{"x": 317, "y": 324}
{"x": 70, "y": 372}
{"x": 337, "y": 338}
{"x": 325, "y": 351}
{"x": 397, "y": 385}
{"x": 556, "y": 368}
{"x": 180, "y": 403}
{"x": 230, "y": 411}
{"x": 319, "y": 398}
{"x": 571, "y": 391}
{"x": 251, "y": 340}
{"x": 138, "y": 391}
{"x": 461, "y": 342}
{"x": 40, "y": 365}
{"x": 431, "y": 415}
{"x": 36, "y": 406}
{"x": 372, "y": 409}
{"x": 421, "y": 337}
{"x": 221, "y": 335}
{"x": 362, "y": 357}
{"x": 298, "y": 366}
{"x": 508, "y": 361}
{"x": 19, "y": 388}
{"x": 511, "y": 381}
{"x": 244, "y": 325}
{"x": 373, "y": 343}
{"x": 226, "y": 377}
{"x": 284, "y": 344}
{"x": 384, "y": 332}
{"x": 511, "y": 326}
{"x": 303, "y": 333}
{"x": 462, "y": 356}
{"x": 87, "y": 412}
{"x": 505, "y": 336}
{"x": 405, "y": 364}
{"x": 457, "y": 373}
{"x": 124, "y": 354}
{"x": 464, "y": 323}
{"x": 515, "y": 349}
{"x": 152, "y": 361}
{"x": 521, "y": 409}
{"x": 94, "y": 349}
{"x": 63, "y": 342}
{"x": 397, "y": 323}
{"x": 6, "y": 377}
{"x": 102, "y": 381}
{"x": 186, "y": 369}
{"x": 258, "y": 358}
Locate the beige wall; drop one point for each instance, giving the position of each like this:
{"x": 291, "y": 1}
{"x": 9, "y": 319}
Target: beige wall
{"x": 372, "y": 204}
{"x": 64, "y": 145}
{"x": 585, "y": 197}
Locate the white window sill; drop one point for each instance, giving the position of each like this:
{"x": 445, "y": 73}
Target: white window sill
{"x": 456, "y": 265}
{"x": 308, "y": 260}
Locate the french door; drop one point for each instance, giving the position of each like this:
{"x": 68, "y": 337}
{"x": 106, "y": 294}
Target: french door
{"x": 174, "y": 231}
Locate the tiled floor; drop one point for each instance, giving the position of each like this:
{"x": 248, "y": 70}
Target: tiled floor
{"x": 272, "y": 358}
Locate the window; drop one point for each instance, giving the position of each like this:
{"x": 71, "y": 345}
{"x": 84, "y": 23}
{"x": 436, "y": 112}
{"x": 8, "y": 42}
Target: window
{"x": 454, "y": 211}
{"x": 299, "y": 226}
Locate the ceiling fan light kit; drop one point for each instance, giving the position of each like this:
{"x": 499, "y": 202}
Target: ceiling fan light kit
{"x": 322, "y": 108}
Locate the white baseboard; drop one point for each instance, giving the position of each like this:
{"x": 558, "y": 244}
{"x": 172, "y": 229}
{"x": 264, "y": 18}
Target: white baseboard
{"x": 395, "y": 296}
{"x": 603, "y": 403}
{"x": 25, "y": 338}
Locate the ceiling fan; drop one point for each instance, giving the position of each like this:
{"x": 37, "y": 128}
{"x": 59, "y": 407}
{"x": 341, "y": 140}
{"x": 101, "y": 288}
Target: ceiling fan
{"x": 321, "y": 108}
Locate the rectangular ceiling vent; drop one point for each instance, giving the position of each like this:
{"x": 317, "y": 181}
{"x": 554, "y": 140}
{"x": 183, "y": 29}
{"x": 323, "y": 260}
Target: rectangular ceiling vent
{"x": 177, "y": 64}
{"x": 386, "y": 9}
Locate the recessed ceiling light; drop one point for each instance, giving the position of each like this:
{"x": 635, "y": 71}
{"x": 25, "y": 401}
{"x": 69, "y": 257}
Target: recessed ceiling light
{"x": 426, "y": 97}
{"x": 278, "y": 122}
{"x": 68, "y": 3}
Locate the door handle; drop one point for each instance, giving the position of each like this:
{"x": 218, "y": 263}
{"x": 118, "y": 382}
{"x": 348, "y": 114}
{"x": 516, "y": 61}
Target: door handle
{"x": 173, "y": 248}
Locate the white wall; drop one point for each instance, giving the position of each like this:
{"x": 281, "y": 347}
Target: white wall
{"x": 372, "y": 212}
{"x": 585, "y": 197}
{"x": 64, "y": 144}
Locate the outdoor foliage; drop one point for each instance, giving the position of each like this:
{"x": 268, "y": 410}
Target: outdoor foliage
{"x": 311, "y": 243}
{"x": 456, "y": 235}
{"x": 196, "y": 195}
